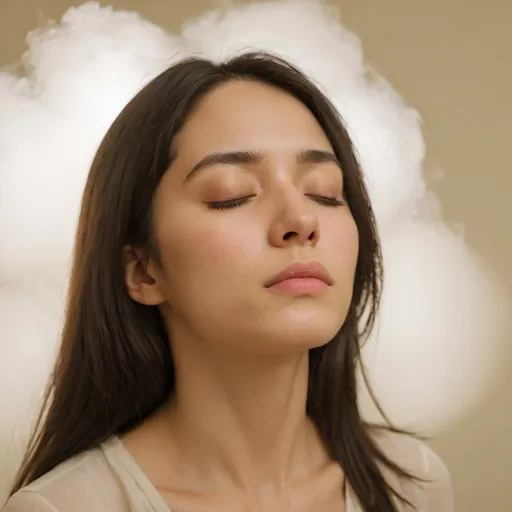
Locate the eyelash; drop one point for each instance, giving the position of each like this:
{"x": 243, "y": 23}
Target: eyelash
{"x": 235, "y": 203}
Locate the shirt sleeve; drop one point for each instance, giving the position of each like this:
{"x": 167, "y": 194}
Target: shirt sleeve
{"x": 438, "y": 491}
{"x": 28, "y": 501}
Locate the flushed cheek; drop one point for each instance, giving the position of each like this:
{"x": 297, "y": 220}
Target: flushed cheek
{"x": 213, "y": 252}
{"x": 343, "y": 244}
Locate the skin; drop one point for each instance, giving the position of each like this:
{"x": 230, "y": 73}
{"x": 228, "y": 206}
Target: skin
{"x": 236, "y": 436}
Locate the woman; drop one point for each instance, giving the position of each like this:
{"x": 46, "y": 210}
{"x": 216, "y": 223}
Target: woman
{"x": 226, "y": 271}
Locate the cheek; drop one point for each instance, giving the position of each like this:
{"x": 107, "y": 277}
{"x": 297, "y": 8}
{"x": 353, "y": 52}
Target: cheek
{"x": 209, "y": 252}
{"x": 216, "y": 247}
{"x": 209, "y": 271}
{"x": 344, "y": 243}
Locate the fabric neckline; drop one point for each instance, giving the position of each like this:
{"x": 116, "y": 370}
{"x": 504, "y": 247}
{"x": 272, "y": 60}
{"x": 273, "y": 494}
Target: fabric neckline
{"x": 117, "y": 454}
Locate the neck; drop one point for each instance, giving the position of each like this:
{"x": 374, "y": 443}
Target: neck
{"x": 240, "y": 420}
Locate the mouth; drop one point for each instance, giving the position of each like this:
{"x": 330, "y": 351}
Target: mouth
{"x": 301, "y": 278}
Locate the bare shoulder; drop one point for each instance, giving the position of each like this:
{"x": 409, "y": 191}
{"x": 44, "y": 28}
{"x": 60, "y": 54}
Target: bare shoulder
{"x": 83, "y": 483}
{"x": 433, "y": 491}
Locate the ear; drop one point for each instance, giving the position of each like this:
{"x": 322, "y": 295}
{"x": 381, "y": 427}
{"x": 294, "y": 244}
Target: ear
{"x": 141, "y": 278}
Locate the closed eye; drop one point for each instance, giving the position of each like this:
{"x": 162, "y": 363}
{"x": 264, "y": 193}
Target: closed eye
{"x": 327, "y": 201}
{"x": 232, "y": 203}
{"x": 235, "y": 203}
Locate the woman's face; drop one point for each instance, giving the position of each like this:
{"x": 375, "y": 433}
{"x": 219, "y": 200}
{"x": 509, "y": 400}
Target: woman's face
{"x": 218, "y": 258}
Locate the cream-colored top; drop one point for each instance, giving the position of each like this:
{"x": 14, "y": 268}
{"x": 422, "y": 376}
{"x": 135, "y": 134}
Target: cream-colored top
{"x": 107, "y": 479}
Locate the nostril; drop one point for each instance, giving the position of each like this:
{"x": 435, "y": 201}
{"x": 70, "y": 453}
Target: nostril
{"x": 291, "y": 234}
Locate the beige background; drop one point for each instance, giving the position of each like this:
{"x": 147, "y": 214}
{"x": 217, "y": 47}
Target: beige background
{"x": 452, "y": 60}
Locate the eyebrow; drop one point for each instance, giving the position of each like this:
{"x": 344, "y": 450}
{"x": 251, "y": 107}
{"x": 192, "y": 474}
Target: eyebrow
{"x": 309, "y": 156}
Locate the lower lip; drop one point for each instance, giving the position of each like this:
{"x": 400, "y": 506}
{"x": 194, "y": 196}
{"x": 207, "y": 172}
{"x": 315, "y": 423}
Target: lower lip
{"x": 300, "y": 286}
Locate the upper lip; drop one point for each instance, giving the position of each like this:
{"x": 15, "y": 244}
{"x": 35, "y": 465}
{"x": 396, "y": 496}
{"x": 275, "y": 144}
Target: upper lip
{"x": 312, "y": 269}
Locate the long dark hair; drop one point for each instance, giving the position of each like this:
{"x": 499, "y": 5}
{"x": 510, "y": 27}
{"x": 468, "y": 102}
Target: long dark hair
{"x": 115, "y": 365}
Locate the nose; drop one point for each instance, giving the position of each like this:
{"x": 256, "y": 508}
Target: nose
{"x": 295, "y": 222}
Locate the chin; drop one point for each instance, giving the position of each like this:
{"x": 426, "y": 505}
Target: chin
{"x": 308, "y": 338}
{"x": 302, "y": 334}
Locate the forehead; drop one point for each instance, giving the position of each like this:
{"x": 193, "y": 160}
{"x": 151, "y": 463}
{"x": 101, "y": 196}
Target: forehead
{"x": 250, "y": 115}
